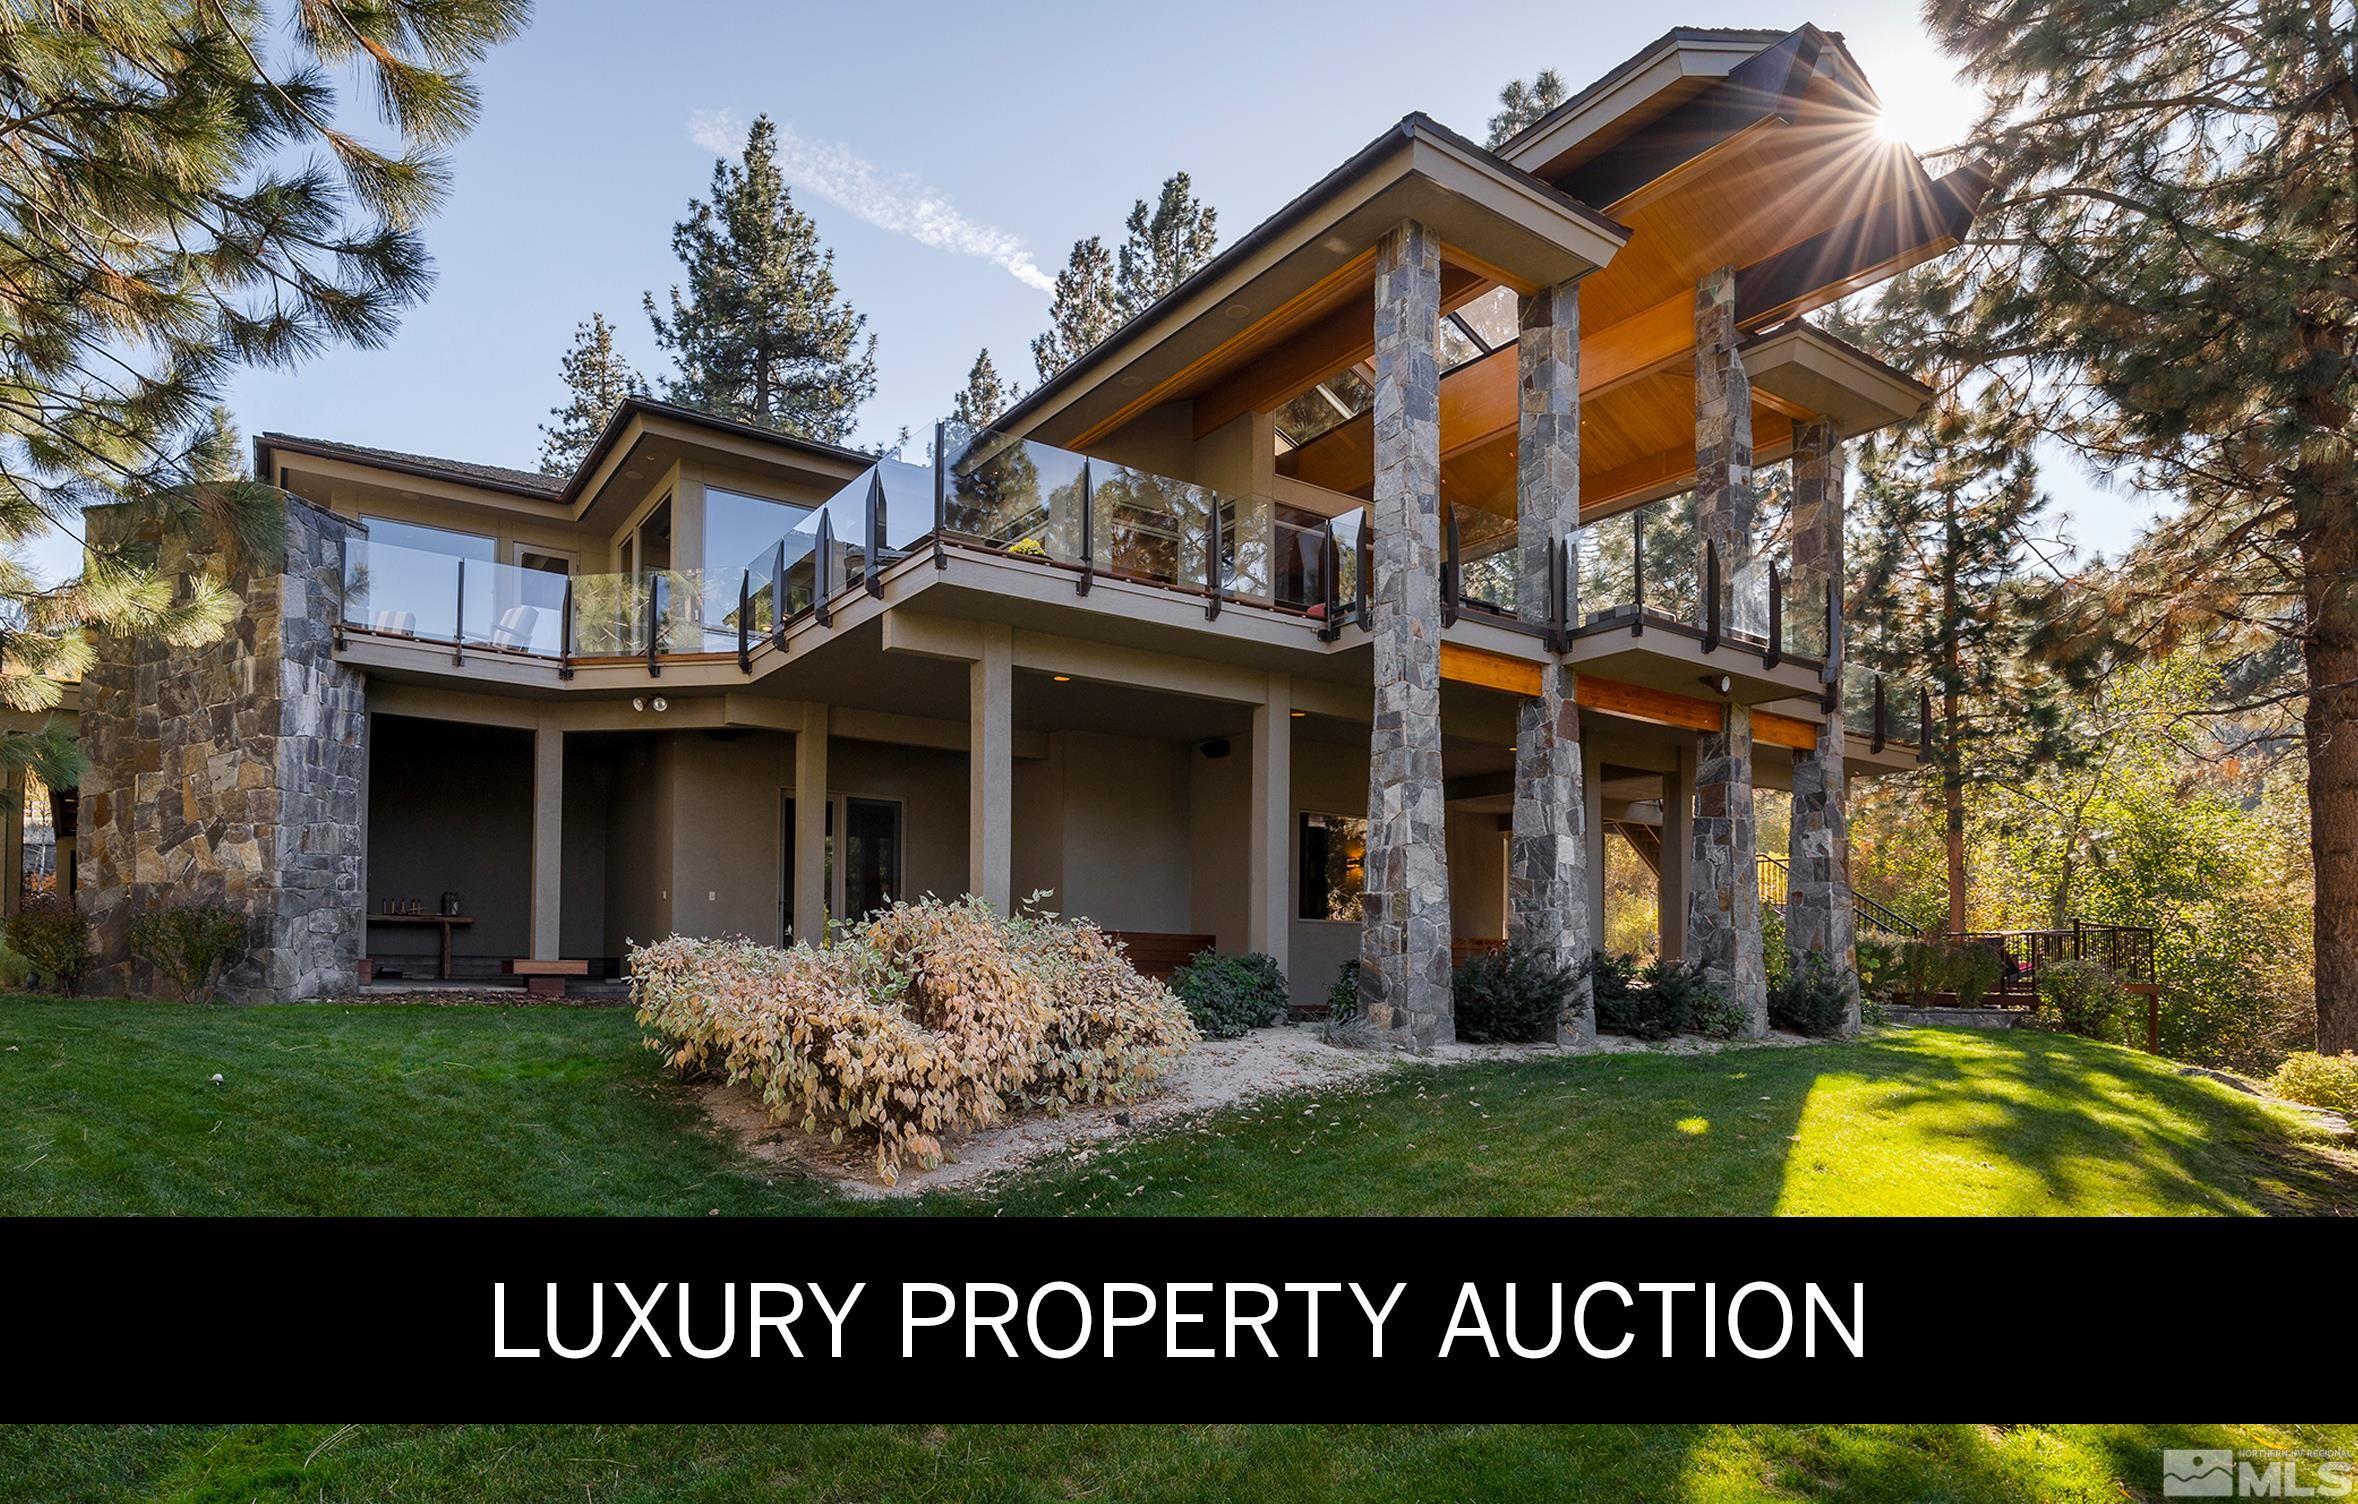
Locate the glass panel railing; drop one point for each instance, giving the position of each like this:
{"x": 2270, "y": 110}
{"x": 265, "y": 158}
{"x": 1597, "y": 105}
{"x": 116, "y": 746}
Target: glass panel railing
{"x": 411, "y": 592}
{"x": 1298, "y": 572}
{"x": 1490, "y": 562}
{"x": 1012, "y": 494}
{"x": 513, "y": 609}
{"x": 1901, "y": 703}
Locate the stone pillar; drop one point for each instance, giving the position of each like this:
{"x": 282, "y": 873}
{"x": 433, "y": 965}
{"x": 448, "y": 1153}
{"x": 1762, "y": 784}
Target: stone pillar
{"x": 1269, "y": 863}
{"x": 548, "y": 843}
{"x": 1549, "y": 872}
{"x": 811, "y": 803}
{"x": 1818, "y": 911}
{"x": 1678, "y": 840}
{"x": 232, "y": 773}
{"x": 990, "y": 752}
{"x": 1723, "y": 893}
{"x": 1723, "y": 433}
{"x": 1404, "y": 937}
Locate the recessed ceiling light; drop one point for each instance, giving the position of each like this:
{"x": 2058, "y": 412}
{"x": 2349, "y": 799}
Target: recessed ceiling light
{"x": 630, "y": 475}
{"x": 1237, "y": 311}
{"x": 1299, "y": 714}
{"x": 1062, "y": 678}
{"x": 1129, "y": 381}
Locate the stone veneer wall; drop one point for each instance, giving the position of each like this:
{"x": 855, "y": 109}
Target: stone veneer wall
{"x": 1548, "y": 847}
{"x": 1404, "y": 933}
{"x": 233, "y": 773}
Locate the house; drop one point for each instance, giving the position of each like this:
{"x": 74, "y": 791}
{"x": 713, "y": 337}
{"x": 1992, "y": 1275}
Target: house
{"x": 1475, "y": 505}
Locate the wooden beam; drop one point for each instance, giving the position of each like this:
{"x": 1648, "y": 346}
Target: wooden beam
{"x": 1784, "y": 731}
{"x": 1636, "y": 702}
{"x": 1325, "y": 344}
{"x": 1464, "y": 665}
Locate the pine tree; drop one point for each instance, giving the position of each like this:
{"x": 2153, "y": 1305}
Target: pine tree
{"x": 2163, "y": 273}
{"x": 763, "y": 334}
{"x": 1164, "y": 245}
{"x": 985, "y": 397}
{"x": 597, "y": 379}
{"x": 1522, "y": 103}
{"x": 1083, "y": 310}
{"x": 182, "y": 196}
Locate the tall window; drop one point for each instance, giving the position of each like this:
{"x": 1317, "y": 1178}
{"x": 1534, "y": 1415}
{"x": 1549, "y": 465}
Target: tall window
{"x": 871, "y": 855}
{"x": 1333, "y": 850}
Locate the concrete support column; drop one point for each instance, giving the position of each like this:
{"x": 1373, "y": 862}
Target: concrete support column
{"x": 1818, "y": 913}
{"x": 1404, "y": 939}
{"x": 1552, "y": 881}
{"x": 1268, "y": 863}
{"x": 990, "y": 751}
{"x": 548, "y": 843}
{"x": 1723, "y": 892}
{"x": 1678, "y": 836}
{"x": 811, "y": 803}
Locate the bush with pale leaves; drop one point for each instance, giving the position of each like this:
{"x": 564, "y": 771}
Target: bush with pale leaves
{"x": 927, "y": 1020}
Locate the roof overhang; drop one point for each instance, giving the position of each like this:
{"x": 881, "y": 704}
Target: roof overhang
{"x": 1808, "y": 373}
{"x": 1514, "y": 229}
{"x": 1665, "y": 74}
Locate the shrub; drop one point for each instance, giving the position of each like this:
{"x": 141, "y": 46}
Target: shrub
{"x": 1342, "y": 999}
{"x": 189, "y": 945}
{"x": 1924, "y": 969}
{"x": 1510, "y": 995}
{"x": 1813, "y": 999}
{"x": 1229, "y": 996}
{"x": 1975, "y": 967}
{"x": 1879, "y": 968}
{"x": 927, "y": 1019}
{"x": 1775, "y": 956}
{"x": 1660, "y": 999}
{"x": 2319, "y": 1080}
{"x": 54, "y": 938}
{"x": 16, "y": 973}
{"x": 2080, "y": 997}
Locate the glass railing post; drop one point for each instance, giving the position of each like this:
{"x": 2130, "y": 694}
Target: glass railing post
{"x": 654, "y": 624}
{"x": 745, "y": 622}
{"x": 1363, "y": 581}
{"x": 1088, "y": 530}
{"x": 1637, "y": 572}
{"x": 458, "y": 619}
{"x": 1452, "y": 576}
{"x": 1923, "y": 724}
{"x": 941, "y": 493}
{"x": 1830, "y": 674}
{"x": 1559, "y": 594}
{"x": 1330, "y": 585}
{"x": 1212, "y": 580}
{"x": 565, "y": 633}
{"x": 1878, "y": 740}
{"x": 822, "y": 589}
{"x": 1710, "y": 594}
{"x": 778, "y": 596}
{"x": 871, "y": 573}
{"x": 1774, "y": 652}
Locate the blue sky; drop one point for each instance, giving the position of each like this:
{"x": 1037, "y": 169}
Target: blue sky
{"x": 951, "y": 154}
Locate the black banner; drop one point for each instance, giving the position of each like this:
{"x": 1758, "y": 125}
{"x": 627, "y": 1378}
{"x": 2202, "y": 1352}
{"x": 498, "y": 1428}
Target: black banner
{"x": 1150, "y": 1320}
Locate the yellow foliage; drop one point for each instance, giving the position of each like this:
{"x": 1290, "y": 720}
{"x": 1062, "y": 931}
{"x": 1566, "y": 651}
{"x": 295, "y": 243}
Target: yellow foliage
{"x": 928, "y": 1019}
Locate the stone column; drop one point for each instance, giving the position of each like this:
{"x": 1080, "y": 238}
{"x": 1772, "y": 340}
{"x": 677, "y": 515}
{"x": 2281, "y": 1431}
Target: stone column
{"x": 1678, "y": 843}
{"x": 1269, "y": 863}
{"x": 1549, "y": 871}
{"x": 1723, "y": 894}
{"x": 811, "y": 803}
{"x": 990, "y": 752}
{"x": 1818, "y": 910}
{"x": 231, "y": 772}
{"x": 1404, "y": 937}
{"x": 548, "y": 843}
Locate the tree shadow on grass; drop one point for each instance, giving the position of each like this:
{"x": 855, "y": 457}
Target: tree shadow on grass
{"x": 2101, "y": 1129}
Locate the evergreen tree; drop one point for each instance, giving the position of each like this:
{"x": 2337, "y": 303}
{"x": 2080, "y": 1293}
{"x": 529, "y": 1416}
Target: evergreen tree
{"x": 984, "y": 398}
{"x": 1083, "y": 310}
{"x": 597, "y": 379}
{"x": 2163, "y": 273}
{"x": 181, "y": 197}
{"x": 1522, "y": 103}
{"x": 762, "y": 335}
{"x": 1164, "y": 245}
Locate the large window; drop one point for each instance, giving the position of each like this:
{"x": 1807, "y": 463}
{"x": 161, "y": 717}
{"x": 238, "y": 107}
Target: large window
{"x": 1333, "y": 849}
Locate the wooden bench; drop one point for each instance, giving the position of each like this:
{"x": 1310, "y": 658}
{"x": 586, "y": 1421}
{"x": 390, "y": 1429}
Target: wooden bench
{"x": 1157, "y": 954}
{"x": 547, "y": 978}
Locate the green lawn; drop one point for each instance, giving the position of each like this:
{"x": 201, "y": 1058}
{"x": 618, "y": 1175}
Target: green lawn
{"x": 107, "y": 1107}
{"x": 1430, "y": 1464}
